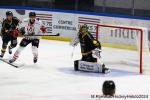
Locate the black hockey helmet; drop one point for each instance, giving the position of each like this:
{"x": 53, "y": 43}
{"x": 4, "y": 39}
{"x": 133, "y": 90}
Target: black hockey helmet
{"x": 9, "y": 13}
{"x": 109, "y": 88}
{"x": 32, "y": 14}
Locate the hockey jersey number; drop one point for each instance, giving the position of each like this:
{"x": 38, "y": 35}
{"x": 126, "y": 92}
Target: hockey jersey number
{"x": 30, "y": 29}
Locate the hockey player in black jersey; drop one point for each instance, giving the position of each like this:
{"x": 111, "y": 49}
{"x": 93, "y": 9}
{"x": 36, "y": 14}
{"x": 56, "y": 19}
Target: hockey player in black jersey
{"x": 9, "y": 32}
{"x": 90, "y": 50}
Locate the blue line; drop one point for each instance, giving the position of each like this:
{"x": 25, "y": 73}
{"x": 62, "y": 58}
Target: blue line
{"x": 75, "y": 12}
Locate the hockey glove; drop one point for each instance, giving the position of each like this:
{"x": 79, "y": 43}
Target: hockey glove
{"x": 22, "y": 30}
{"x": 43, "y": 29}
{"x": 15, "y": 33}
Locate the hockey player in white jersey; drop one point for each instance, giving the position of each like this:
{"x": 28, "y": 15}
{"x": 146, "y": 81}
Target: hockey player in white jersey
{"x": 90, "y": 50}
{"x": 30, "y": 28}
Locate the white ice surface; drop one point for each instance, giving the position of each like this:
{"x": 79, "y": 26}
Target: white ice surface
{"x": 53, "y": 77}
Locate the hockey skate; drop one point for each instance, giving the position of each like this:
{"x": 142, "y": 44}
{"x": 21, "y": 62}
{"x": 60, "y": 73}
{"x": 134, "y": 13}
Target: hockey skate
{"x": 12, "y": 60}
{"x": 35, "y": 60}
{"x": 2, "y": 55}
{"x": 10, "y": 50}
{"x": 105, "y": 70}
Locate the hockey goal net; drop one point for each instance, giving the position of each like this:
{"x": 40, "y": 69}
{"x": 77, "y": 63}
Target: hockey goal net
{"x": 135, "y": 39}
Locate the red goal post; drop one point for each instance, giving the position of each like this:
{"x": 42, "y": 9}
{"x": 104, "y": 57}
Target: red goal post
{"x": 98, "y": 27}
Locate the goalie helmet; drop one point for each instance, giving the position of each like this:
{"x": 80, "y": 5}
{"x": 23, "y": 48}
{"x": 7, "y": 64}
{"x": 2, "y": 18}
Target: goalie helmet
{"x": 84, "y": 27}
{"x": 109, "y": 88}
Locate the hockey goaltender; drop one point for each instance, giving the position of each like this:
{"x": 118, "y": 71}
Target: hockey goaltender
{"x": 90, "y": 50}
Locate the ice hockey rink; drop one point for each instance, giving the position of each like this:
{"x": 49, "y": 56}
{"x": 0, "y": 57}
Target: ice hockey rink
{"x": 54, "y": 78}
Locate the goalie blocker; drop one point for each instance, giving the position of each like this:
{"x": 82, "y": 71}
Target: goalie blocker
{"x": 90, "y": 67}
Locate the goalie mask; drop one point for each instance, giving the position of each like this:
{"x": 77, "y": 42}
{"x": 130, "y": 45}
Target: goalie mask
{"x": 109, "y": 88}
{"x": 83, "y": 28}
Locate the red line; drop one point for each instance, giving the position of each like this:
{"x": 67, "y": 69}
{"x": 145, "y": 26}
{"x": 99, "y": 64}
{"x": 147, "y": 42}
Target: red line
{"x": 43, "y": 17}
{"x": 45, "y": 14}
{"x": 97, "y": 32}
{"x": 141, "y": 51}
{"x": 49, "y": 22}
{"x": 89, "y": 21}
{"x": 120, "y": 27}
{"x": 141, "y": 40}
{"x": 89, "y": 18}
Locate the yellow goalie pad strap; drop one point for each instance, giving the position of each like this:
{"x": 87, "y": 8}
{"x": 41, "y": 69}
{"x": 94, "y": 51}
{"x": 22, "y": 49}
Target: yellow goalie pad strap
{"x": 84, "y": 54}
{"x": 3, "y": 50}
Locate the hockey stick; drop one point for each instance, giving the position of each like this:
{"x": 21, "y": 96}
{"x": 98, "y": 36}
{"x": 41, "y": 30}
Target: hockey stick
{"x": 72, "y": 52}
{"x": 9, "y": 63}
{"x": 44, "y": 35}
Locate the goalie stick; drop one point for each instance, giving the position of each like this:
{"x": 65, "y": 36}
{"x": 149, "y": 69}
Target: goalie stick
{"x": 72, "y": 53}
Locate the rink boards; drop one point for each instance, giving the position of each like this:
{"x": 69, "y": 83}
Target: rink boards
{"x": 67, "y": 23}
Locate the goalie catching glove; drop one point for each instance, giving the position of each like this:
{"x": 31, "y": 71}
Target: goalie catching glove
{"x": 96, "y": 53}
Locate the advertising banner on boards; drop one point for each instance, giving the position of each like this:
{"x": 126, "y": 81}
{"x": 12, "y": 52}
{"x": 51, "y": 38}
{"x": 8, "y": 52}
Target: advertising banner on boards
{"x": 67, "y": 24}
